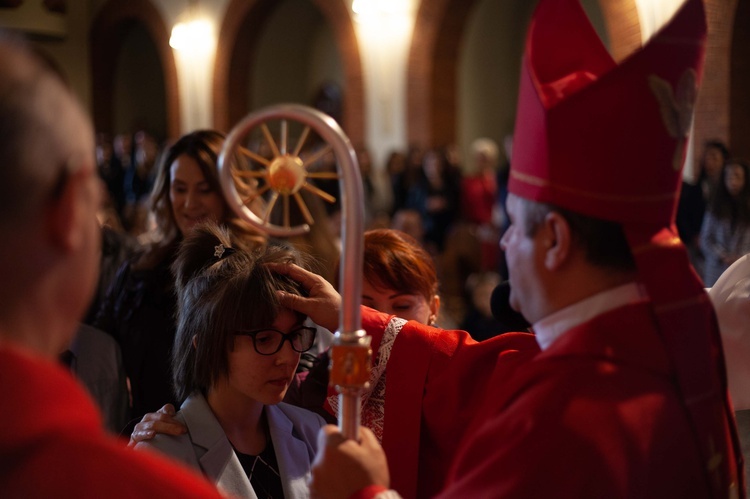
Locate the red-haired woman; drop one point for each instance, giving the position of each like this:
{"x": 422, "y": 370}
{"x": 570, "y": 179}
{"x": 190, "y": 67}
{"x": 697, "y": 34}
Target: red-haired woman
{"x": 399, "y": 277}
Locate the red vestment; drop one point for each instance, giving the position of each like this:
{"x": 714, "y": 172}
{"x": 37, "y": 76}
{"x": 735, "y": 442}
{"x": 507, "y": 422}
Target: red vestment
{"x": 595, "y": 415}
{"x": 437, "y": 381}
{"x": 52, "y": 443}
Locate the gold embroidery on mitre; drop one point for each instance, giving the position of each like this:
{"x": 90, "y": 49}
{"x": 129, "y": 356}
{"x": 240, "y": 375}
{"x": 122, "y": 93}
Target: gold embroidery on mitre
{"x": 676, "y": 108}
{"x": 596, "y": 196}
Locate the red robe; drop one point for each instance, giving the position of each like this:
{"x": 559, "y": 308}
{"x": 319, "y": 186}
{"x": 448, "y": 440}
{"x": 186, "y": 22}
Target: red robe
{"x": 52, "y": 444}
{"x": 436, "y": 385}
{"x": 595, "y": 415}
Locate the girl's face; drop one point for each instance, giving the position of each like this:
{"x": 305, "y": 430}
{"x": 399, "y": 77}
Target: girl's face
{"x": 734, "y": 179}
{"x": 412, "y": 307}
{"x": 193, "y": 200}
{"x": 261, "y": 378}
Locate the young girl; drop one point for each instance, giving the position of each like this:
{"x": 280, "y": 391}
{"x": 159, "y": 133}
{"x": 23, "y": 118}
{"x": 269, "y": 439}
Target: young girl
{"x": 235, "y": 354}
{"x": 725, "y": 234}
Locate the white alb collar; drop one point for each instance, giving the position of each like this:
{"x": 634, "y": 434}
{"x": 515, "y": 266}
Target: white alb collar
{"x": 553, "y": 326}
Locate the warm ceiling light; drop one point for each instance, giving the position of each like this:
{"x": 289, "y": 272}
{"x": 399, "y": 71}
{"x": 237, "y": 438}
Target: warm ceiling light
{"x": 191, "y": 36}
{"x": 379, "y": 8}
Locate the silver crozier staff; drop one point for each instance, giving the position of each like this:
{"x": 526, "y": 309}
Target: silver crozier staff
{"x": 285, "y": 174}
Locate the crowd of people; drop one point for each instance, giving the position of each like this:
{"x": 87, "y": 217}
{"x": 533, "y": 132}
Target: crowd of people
{"x": 455, "y": 212}
{"x": 591, "y": 363}
{"x": 713, "y": 217}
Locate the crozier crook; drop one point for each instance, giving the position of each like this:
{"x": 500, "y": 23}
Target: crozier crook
{"x": 282, "y": 177}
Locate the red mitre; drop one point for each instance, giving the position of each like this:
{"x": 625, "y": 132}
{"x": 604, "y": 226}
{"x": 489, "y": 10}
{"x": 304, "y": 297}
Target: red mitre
{"x": 608, "y": 141}
{"x": 602, "y": 139}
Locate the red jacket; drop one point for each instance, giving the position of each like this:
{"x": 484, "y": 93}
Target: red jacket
{"x": 52, "y": 444}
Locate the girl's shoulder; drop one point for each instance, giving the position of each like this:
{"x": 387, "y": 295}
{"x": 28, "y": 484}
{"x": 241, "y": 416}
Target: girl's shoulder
{"x": 301, "y": 418}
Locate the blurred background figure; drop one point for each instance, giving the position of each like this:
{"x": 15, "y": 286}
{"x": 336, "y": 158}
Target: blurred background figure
{"x": 695, "y": 194}
{"x": 138, "y": 181}
{"x": 725, "y": 233}
{"x": 479, "y": 199}
{"x": 409, "y": 222}
{"x": 94, "y": 358}
{"x": 479, "y": 320}
{"x": 112, "y": 174}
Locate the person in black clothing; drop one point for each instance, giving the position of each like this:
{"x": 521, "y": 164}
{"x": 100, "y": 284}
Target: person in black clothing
{"x": 139, "y": 308}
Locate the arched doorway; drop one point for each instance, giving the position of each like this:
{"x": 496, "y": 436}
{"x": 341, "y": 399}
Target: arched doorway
{"x": 137, "y": 26}
{"x": 433, "y": 79}
{"x": 243, "y": 77}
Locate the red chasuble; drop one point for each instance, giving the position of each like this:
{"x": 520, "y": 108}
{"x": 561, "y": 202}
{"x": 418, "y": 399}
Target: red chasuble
{"x": 595, "y": 415}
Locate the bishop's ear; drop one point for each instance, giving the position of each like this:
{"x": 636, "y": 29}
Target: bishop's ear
{"x": 557, "y": 239}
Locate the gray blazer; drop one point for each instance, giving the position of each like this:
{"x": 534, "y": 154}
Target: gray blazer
{"x": 205, "y": 447}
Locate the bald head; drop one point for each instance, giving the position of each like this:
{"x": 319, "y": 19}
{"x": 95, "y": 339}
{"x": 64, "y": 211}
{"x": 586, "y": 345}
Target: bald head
{"x": 49, "y": 197}
{"x": 43, "y": 132}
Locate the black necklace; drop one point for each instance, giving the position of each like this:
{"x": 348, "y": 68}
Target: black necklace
{"x": 263, "y": 472}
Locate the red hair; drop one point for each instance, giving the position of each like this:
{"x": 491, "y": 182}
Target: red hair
{"x": 395, "y": 260}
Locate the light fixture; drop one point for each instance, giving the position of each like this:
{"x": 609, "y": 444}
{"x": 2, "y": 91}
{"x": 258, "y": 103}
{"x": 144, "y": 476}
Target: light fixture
{"x": 194, "y": 33}
{"x": 366, "y": 11}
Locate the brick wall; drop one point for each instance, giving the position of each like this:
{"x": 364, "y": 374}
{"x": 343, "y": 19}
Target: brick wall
{"x": 739, "y": 90}
{"x": 712, "y": 108}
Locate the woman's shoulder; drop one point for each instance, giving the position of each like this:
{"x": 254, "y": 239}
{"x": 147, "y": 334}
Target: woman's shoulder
{"x": 178, "y": 447}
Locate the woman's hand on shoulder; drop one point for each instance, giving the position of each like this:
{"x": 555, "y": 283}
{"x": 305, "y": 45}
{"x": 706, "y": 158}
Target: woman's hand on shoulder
{"x": 162, "y": 421}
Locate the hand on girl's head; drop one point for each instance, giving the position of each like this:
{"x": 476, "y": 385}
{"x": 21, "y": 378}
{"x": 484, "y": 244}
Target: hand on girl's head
{"x": 323, "y": 302}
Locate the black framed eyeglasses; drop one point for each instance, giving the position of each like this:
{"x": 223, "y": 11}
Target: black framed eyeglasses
{"x": 268, "y": 341}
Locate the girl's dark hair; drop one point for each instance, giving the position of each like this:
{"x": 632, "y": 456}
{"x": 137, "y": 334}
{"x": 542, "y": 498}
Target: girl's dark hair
{"x": 724, "y": 205}
{"x": 216, "y": 296}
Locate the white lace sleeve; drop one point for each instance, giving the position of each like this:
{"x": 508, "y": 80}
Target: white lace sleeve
{"x": 373, "y": 399}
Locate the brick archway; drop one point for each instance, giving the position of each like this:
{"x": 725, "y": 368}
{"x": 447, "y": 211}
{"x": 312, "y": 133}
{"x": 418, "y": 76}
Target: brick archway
{"x": 432, "y": 77}
{"x": 237, "y": 45}
{"x": 108, "y": 29}
{"x": 712, "y": 110}
{"x": 739, "y": 119}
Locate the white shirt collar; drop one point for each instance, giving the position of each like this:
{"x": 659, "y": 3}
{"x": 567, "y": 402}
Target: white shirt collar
{"x": 553, "y": 326}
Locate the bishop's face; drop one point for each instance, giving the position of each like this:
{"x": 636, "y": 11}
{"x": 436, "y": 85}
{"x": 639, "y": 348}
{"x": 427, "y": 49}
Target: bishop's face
{"x": 525, "y": 256}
